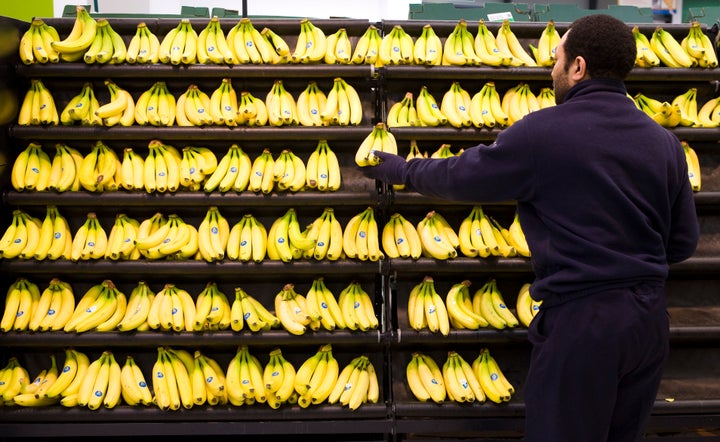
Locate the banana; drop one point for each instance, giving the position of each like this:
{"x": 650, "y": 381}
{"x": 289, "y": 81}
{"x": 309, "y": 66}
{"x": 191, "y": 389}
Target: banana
{"x": 366, "y": 47}
{"x": 694, "y": 171}
{"x": 484, "y": 304}
{"x": 134, "y": 388}
{"x": 46, "y": 111}
{"x": 80, "y": 37}
{"x": 669, "y": 50}
{"x": 455, "y": 105}
{"x": 459, "y": 307}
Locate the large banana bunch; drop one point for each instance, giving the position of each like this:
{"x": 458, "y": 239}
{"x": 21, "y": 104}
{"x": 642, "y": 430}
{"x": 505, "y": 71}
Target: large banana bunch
{"x": 428, "y": 111}
{"x": 322, "y": 306}
{"x": 709, "y": 113}
{"x": 646, "y": 56}
{"x": 400, "y": 239}
{"x": 247, "y": 240}
{"x": 396, "y": 47}
{"x": 357, "y": 308}
{"x": 32, "y": 169}
{"x": 55, "y": 236}
{"x": 81, "y": 36}
{"x": 339, "y": 48}
{"x": 212, "y": 46}
{"x": 367, "y": 47}
{"x": 403, "y": 113}
{"x": 519, "y": 101}
{"x": 379, "y": 139}
{"x": 291, "y": 309}
{"x": 261, "y": 173}
{"x": 670, "y": 52}
{"x": 138, "y": 308}
{"x": 21, "y": 237}
{"x": 311, "y": 45}
{"x": 356, "y": 384}
{"x": 172, "y": 375}
{"x": 286, "y": 240}
{"x": 485, "y": 108}
{"x": 251, "y": 110}
{"x": 455, "y": 105}
{"x": 100, "y": 308}
{"x": 479, "y": 235}
{"x": 459, "y": 47}
{"x": 699, "y": 46}
{"x": 488, "y": 51}
{"x": 460, "y": 309}
{"x": 495, "y": 385}
{"x": 81, "y": 108}
{"x": 250, "y": 46}
{"x": 461, "y": 383}
{"x": 232, "y": 172}
{"x": 322, "y": 170}
{"x": 172, "y": 309}
{"x": 21, "y": 300}
{"x": 342, "y": 105}
{"x": 439, "y": 239}
{"x": 135, "y": 390}
{"x": 244, "y": 379}
{"x": 425, "y": 379}
{"x": 488, "y": 302}
{"x": 426, "y": 308}
{"x": 428, "y": 48}
{"x": 192, "y": 108}
{"x": 166, "y": 237}
{"x": 156, "y": 106}
{"x": 208, "y": 381}
{"x": 143, "y": 47}
{"x": 289, "y": 171}
{"x": 213, "y": 310}
{"x": 213, "y": 233}
{"x": 279, "y": 380}
{"x": 38, "y": 106}
{"x": 327, "y": 232}
{"x": 508, "y": 43}
{"x": 120, "y": 109}
{"x": 107, "y": 46}
{"x": 547, "y": 44}
{"x": 247, "y": 310}
{"x": 179, "y": 46}
{"x": 36, "y": 43}
{"x": 281, "y": 106}
{"x": 687, "y": 102}
{"x": 361, "y": 237}
{"x": 54, "y": 307}
{"x": 98, "y": 168}
{"x": 525, "y": 306}
{"x": 310, "y": 104}
{"x": 316, "y": 377}
{"x": 693, "y": 166}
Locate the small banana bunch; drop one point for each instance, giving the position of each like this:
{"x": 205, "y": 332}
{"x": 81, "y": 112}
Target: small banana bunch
{"x": 428, "y": 110}
{"x": 172, "y": 379}
{"x": 426, "y": 308}
{"x": 21, "y": 300}
{"x": 281, "y": 107}
{"x": 143, "y": 46}
{"x": 137, "y": 310}
{"x": 456, "y": 104}
{"x": 316, "y": 377}
{"x": 291, "y": 309}
{"x": 357, "y": 308}
{"x": 192, "y": 108}
{"x": 90, "y": 240}
{"x": 367, "y": 47}
{"x": 289, "y": 171}
{"x": 439, "y": 239}
{"x": 247, "y": 310}
{"x": 286, "y": 240}
{"x": 342, "y": 105}
{"x": 339, "y": 48}
{"x": 425, "y": 378}
{"x": 700, "y": 47}
{"x": 196, "y": 165}
{"x": 73, "y": 47}
{"x": 135, "y": 390}
{"x": 488, "y": 302}
{"x": 693, "y": 166}
{"x": 245, "y": 379}
{"x": 687, "y": 102}
{"x": 310, "y": 103}
{"x": 311, "y": 45}
{"x": 223, "y": 106}
{"x": 100, "y": 309}
{"x": 98, "y": 168}
{"x": 459, "y": 47}
{"x": 172, "y": 309}
{"x": 119, "y": 110}
{"x": 21, "y": 237}
{"x": 397, "y": 47}
{"x": 547, "y": 44}
{"x": 179, "y": 46}
{"x": 519, "y": 101}
{"x": 55, "y": 236}
{"x": 36, "y": 43}
{"x": 670, "y": 52}
{"x": 247, "y": 240}
{"x": 213, "y": 233}
{"x": 132, "y": 170}
{"x": 508, "y": 43}
{"x": 38, "y": 106}
{"x": 251, "y": 110}
{"x": 81, "y": 108}
{"x": 32, "y": 169}
{"x": 59, "y": 382}
{"x": 250, "y": 46}
{"x": 481, "y": 236}
{"x": 279, "y": 380}
{"x": 107, "y": 47}
{"x": 495, "y": 385}
{"x": 379, "y": 139}
{"x": 664, "y": 113}
{"x": 156, "y": 106}
{"x": 709, "y": 113}
{"x": 460, "y": 308}
{"x": 546, "y": 97}
{"x": 322, "y": 306}
{"x": 208, "y": 380}
{"x": 428, "y": 48}
{"x": 400, "y": 238}
{"x": 322, "y": 170}
{"x": 646, "y": 56}
{"x": 213, "y": 310}
{"x": 18, "y": 388}
{"x": 403, "y": 113}
{"x": 356, "y": 384}
{"x": 232, "y": 172}
{"x": 160, "y": 237}
{"x": 361, "y": 238}
{"x": 212, "y": 46}
{"x": 122, "y": 237}
{"x": 16, "y": 379}
{"x": 261, "y": 173}
{"x": 525, "y": 306}
{"x": 101, "y": 386}
{"x": 327, "y": 232}
{"x": 461, "y": 382}
{"x": 485, "y": 108}
{"x": 489, "y": 51}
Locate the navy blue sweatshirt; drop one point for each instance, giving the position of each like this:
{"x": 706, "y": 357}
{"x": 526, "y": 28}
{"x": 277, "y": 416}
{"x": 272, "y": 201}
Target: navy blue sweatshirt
{"x": 602, "y": 191}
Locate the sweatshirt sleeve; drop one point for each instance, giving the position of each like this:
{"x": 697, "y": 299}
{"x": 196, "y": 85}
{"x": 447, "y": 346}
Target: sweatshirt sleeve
{"x": 684, "y": 226}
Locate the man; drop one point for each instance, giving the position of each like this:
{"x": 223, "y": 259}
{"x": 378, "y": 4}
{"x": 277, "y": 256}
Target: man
{"x": 605, "y": 203}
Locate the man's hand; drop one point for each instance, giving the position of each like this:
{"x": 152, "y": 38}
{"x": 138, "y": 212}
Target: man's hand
{"x": 391, "y": 168}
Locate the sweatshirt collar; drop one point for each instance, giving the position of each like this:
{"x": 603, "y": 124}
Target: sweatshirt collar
{"x": 596, "y": 85}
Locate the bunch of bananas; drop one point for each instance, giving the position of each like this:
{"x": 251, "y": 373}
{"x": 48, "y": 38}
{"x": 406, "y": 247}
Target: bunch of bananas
{"x": 488, "y": 51}
{"x": 342, "y": 106}
{"x": 278, "y": 379}
{"x": 161, "y": 168}
{"x": 361, "y": 238}
{"x": 100, "y": 309}
{"x": 244, "y": 379}
{"x": 481, "y": 235}
{"x": 379, "y": 139}
{"x": 261, "y": 173}
{"x": 107, "y": 46}
{"x": 55, "y": 237}
{"x": 495, "y": 384}
{"x": 160, "y": 237}
{"x": 646, "y": 56}
{"x": 59, "y": 383}
{"x": 132, "y": 170}
{"x": 251, "y": 110}
{"x": 16, "y": 379}
{"x": 693, "y": 166}
{"x": 81, "y": 108}
{"x": 101, "y": 386}
{"x": 247, "y": 310}
{"x": 525, "y": 306}
{"x": 119, "y": 110}
{"x": 38, "y": 106}
{"x": 486, "y": 109}
{"x": 36, "y": 43}
{"x": 709, "y": 113}
{"x": 138, "y": 306}
{"x": 459, "y": 47}
{"x": 31, "y": 169}
{"x": 179, "y": 46}
{"x": 400, "y": 238}
{"x": 322, "y": 170}
{"x": 213, "y": 310}
{"x": 291, "y": 309}
{"x": 688, "y": 104}
{"x": 135, "y": 389}
{"x": 339, "y": 48}
{"x": 548, "y": 42}
{"x": 311, "y": 44}
{"x": 356, "y": 384}
{"x": 156, "y": 106}
{"x": 212, "y": 46}
{"x": 247, "y": 240}
{"x": 428, "y": 110}
{"x": 461, "y": 382}
{"x": 438, "y": 238}
{"x": 508, "y": 43}
{"x": 357, "y": 308}
{"x": 21, "y": 237}
{"x": 428, "y": 48}
{"x": 223, "y": 106}
{"x": 289, "y": 171}
{"x": 281, "y": 106}
{"x": 519, "y": 101}
{"x": 310, "y": 104}
{"x": 403, "y": 113}
{"x": 213, "y": 233}
{"x": 316, "y": 377}
{"x": 425, "y": 378}
{"x": 456, "y": 105}
{"x": 250, "y": 46}
{"x": 53, "y": 308}
{"x": 73, "y": 47}
{"x": 426, "y": 308}
{"x": 461, "y": 313}
{"x": 286, "y": 240}
{"x": 700, "y": 47}
{"x": 327, "y": 232}
{"x": 143, "y": 46}
{"x": 21, "y": 300}
{"x": 664, "y": 113}
{"x": 670, "y": 52}
{"x": 99, "y": 168}
{"x": 488, "y": 302}
{"x": 30, "y": 394}
{"x": 196, "y": 165}
{"x": 323, "y": 306}
{"x": 192, "y": 108}
{"x": 396, "y": 47}
{"x": 172, "y": 379}
{"x": 172, "y": 309}
{"x": 367, "y": 47}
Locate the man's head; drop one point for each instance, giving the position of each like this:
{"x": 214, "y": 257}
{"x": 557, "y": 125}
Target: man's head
{"x": 594, "y": 46}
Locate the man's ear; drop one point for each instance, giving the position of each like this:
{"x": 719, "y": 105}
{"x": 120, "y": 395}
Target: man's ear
{"x": 578, "y": 70}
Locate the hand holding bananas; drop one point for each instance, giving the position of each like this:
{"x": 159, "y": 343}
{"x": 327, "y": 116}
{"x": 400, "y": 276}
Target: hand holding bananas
{"x": 389, "y": 169}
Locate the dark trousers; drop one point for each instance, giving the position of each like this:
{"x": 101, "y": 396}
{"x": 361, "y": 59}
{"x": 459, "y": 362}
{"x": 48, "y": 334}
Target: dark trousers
{"x": 596, "y": 366}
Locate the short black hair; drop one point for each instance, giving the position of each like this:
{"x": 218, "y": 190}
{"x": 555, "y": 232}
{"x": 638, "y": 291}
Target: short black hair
{"x": 606, "y": 43}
